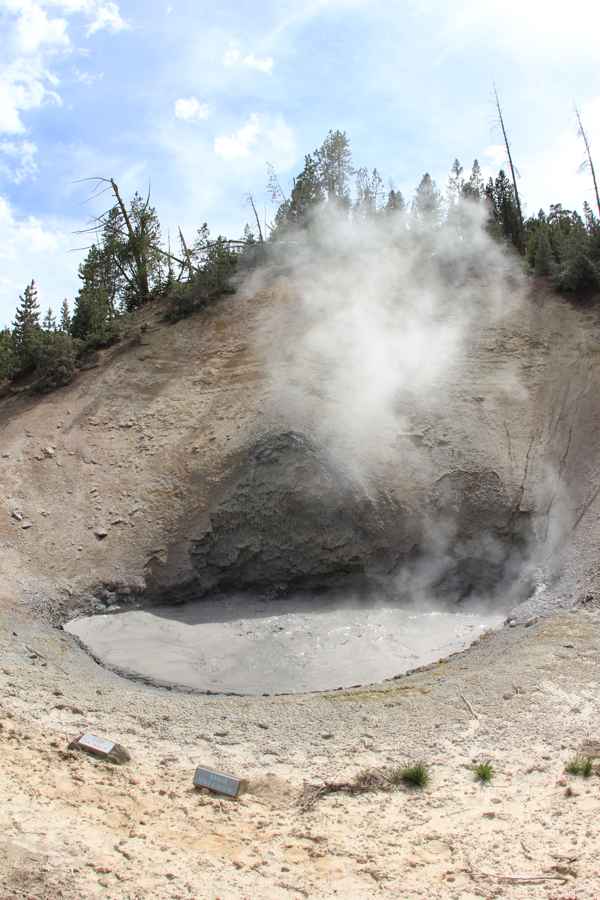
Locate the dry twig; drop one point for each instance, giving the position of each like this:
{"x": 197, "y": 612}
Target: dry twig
{"x": 469, "y": 706}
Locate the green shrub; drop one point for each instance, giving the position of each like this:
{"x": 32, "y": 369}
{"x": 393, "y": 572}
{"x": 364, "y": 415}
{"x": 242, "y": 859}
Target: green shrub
{"x": 580, "y": 765}
{"x": 8, "y": 360}
{"x": 577, "y": 270}
{"x": 55, "y": 361}
{"x": 183, "y": 301}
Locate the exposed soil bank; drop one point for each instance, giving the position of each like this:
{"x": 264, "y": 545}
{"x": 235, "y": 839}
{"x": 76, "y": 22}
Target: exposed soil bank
{"x": 278, "y": 646}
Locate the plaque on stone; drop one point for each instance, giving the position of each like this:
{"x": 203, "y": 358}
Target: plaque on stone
{"x": 101, "y": 747}
{"x": 218, "y": 782}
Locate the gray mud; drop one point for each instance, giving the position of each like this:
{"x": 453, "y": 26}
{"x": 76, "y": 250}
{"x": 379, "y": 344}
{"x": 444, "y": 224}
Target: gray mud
{"x": 284, "y": 646}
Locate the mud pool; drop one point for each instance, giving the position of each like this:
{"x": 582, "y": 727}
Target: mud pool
{"x": 275, "y": 647}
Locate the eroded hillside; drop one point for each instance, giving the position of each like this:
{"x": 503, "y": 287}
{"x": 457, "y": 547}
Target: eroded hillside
{"x": 114, "y": 479}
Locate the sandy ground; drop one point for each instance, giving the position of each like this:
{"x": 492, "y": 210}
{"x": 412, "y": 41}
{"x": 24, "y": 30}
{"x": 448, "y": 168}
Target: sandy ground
{"x": 525, "y": 698}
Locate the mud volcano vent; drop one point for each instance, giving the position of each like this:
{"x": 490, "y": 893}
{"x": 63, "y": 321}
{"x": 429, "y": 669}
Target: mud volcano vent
{"x": 304, "y": 578}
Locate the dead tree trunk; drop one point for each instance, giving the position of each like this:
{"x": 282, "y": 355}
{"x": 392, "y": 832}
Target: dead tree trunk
{"x": 251, "y": 201}
{"x": 187, "y": 255}
{"x": 136, "y": 248}
{"x": 510, "y": 162}
{"x": 588, "y": 161}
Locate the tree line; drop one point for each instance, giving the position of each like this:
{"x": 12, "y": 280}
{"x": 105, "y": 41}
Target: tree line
{"x": 128, "y": 264}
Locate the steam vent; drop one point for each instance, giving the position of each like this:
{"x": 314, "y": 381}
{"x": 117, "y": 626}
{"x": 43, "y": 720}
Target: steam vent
{"x": 299, "y": 505}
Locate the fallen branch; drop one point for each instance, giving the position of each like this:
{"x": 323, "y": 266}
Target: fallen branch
{"x": 469, "y": 707}
{"x": 477, "y": 874}
{"x": 364, "y": 783}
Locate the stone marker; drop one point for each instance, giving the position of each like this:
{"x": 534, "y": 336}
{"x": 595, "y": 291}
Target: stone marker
{"x": 218, "y": 782}
{"x": 97, "y": 746}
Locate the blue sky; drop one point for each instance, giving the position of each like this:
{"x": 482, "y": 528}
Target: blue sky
{"x": 195, "y": 98}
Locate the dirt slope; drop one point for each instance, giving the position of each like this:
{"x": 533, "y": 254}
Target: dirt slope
{"x": 137, "y": 447}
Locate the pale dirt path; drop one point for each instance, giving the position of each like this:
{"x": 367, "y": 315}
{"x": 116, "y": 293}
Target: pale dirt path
{"x": 73, "y": 827}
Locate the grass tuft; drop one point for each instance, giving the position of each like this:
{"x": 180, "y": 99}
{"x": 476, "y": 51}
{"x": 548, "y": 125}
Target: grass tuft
{"x": 580, "y": 765}
{"x": 484, "y": 772}
{"x": 416, "y": 776}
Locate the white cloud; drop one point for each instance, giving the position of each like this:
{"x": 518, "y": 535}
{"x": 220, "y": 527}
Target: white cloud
{"x": 18, "y": 160}
{"x": 261, "y": 64}
{"x": 31, "y": 41}
{"x": 239, "y": 144}
{"x": 259, "y": 139}
{"x": 34, "y": 248}
{"x": 496, "y": 154}
{"x": 10, "y": 119}
{"x": 24, "y": 84}
{"x": 233, "y": 57}
{"x": 107, "y": 17}
{"x": 191, "y": 110}
{"x": 534, "y": 28}
{"x": 87, "y": 78}
{"x": 104, "y": 14}
{"x": 34, "y": 30}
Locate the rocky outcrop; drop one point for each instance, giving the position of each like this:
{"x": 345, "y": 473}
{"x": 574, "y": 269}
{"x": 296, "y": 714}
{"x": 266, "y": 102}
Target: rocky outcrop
{"x": 288, "y": 518}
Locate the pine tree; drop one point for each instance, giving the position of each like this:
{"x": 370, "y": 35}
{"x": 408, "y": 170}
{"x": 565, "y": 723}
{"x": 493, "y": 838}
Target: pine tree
{"x": 26, "y": 329}
{"x": 455, "y": 184}
{"x": 7, "y": 355}
{"x": 307, "y": 194}
{"x": 395, "y": 202}
{"x": 577, "y": 269}
{"x": 93, "y": 313}
{"x": 91, "y": 318}
{"x": 129, "y": 254}
{"x": 504, "y": 210}
{"x": 334, "y": 166}
{"x": 369, "y": 192}
{"x": 65, "y": 318}
{"x": 49, "y": 323}
{"x": 473, "y": 188}
{"x": 427, "y": 203}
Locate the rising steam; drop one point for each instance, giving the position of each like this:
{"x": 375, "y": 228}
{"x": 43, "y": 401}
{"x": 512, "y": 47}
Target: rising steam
{"x": 381, "y": 346}
{"x": 374, "y": 319}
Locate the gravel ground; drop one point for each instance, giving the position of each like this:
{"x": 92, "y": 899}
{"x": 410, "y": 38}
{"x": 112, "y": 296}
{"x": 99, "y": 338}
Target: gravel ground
{"x": 525, "y": 697}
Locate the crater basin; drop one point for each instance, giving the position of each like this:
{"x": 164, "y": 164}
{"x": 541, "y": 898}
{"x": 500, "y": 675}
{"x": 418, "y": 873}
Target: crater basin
{"x": 280, "y": 646}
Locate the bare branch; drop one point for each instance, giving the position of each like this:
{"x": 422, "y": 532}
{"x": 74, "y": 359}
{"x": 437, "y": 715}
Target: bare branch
{"x": 188, "y": 256}
{"x": 260, "y": 233}
{"x": 510, "y": 162}
{"x": 274, "y": 185}
{"x": 588, "y": 162}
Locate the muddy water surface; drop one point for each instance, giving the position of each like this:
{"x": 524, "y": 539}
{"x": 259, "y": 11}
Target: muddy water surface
{"x": 280, "y": 646}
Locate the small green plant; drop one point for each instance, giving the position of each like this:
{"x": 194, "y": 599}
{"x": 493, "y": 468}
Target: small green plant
{"x": 484, "y": 772}
{"x": 416, "y": 776}
{"x": 580, "y": 765}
